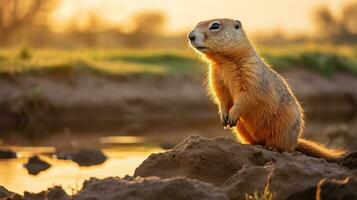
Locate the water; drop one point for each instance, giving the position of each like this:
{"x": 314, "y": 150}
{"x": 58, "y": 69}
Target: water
{"x": 123, "y": 159}
{"x": 126, "y": 146}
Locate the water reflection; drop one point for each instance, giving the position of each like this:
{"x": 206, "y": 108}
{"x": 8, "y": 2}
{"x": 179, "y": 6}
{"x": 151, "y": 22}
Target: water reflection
{"x": 123, "y": 140}
{"x": 122, "y": 161}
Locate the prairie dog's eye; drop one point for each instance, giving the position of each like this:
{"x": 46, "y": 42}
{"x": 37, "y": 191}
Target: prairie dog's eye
{"x": 214, "y": 26}
{"x": 238, "y": 25}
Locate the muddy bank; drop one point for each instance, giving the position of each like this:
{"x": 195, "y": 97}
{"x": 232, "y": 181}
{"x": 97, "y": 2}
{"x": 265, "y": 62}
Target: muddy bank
{"x": 89, "y": 97}
{"x": 221, "y": 168}
{"x": 82, "y": 97}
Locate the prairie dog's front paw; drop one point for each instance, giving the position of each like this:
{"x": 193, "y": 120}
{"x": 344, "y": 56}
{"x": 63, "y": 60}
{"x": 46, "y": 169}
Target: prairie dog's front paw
{"x": 233, "y": 118}
{"x": 224, "y": 120}
{"x": 223, "y": 113}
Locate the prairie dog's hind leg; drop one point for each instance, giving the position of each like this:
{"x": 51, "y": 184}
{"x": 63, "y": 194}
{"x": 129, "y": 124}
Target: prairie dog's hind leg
{"x": 281, "y": 142}
{"x": 243, "y": 135}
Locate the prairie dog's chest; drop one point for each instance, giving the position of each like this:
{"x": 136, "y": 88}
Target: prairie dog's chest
{"x": 230, "y": 78}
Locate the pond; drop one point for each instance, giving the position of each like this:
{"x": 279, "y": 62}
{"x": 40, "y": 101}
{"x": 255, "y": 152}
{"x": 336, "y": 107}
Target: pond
{"x": 122, "y": 160}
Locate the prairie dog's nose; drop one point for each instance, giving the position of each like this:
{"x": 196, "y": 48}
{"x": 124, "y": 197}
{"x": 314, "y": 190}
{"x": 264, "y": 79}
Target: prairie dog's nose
{"x": 191, "y": 36}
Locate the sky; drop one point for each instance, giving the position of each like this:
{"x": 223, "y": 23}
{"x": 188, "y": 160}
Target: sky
{"x": 289, "y": 15}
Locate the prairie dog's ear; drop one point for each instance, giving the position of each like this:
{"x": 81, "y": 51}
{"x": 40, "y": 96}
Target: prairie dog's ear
{"x": 238, "y": 25}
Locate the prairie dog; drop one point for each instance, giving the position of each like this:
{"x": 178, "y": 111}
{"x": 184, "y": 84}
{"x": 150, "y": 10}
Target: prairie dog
{"x": 252, "y": 98}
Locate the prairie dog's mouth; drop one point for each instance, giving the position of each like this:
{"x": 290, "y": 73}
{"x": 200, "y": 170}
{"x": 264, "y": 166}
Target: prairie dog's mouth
{"x": 199, "y": 48}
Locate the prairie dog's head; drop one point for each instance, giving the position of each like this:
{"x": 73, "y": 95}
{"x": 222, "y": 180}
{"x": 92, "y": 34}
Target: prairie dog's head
{"x": 216, "y": 35}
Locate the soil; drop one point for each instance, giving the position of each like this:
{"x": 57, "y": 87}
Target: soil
{"x": 219, "y": 168}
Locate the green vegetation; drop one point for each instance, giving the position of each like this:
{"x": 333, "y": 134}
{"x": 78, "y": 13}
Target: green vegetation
{"x": 103, "y": 61}
{"x": 24, "y": 54}
{"x": 265, "y": 195}
{"x": 326, "y": 60}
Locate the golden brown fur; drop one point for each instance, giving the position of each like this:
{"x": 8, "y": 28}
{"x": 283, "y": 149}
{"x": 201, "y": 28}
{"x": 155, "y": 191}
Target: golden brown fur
{"x": 251, "y": 96}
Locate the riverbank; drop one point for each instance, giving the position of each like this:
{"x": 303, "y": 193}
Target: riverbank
{"x": 86, "y": 96}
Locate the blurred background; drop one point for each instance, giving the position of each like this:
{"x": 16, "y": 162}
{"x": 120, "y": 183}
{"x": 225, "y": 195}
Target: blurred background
{"x": 118, "y": 78}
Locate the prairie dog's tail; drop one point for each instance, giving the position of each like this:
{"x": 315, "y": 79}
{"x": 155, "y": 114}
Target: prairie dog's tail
{"x": 317, "y": 150}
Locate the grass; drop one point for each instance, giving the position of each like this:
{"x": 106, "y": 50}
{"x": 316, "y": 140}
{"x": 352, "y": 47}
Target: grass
{"x": 264, "y": 195}
{"x": 324, "y": 59}
{"x": 106, "y": 61}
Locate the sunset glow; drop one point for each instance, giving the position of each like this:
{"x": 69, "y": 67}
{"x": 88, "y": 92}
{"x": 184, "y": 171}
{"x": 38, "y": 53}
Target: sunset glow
{"x": 290, "y": 16}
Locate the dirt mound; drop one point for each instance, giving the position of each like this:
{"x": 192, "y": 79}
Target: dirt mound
{"x": 329, "y": 189}
{"x": 209, "y": 160}
{"x": 288, "y": 179}
{"x": 152, "y": 188}
{"x": 239, "y": 169}
{"x": 147, "y": 189}
{"x": 349, "y": 160}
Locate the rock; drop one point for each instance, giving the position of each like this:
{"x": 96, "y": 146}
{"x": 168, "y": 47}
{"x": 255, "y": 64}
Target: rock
{"x": 54, "y": 193}
{"x": 84, "y": 157}
{"x": 167, "y": 145}
{"x": 209, "y": 160}
{"x": 332, "y": 189}
{"x": 152, "y": 188}
{"x": 4, "y": 193}
{"x": 35, "y": 165}
{"x": 7, "y": 154}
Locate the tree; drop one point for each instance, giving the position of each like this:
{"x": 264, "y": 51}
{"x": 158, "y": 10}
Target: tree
{"x": 349, "y": 18}
{"x": 147, "y": 25}
{"x": 325, "y": 23}
{"x": 337, "y": 28}
{"x": 85, "y": 26}
{"x": 18, "y": 14}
